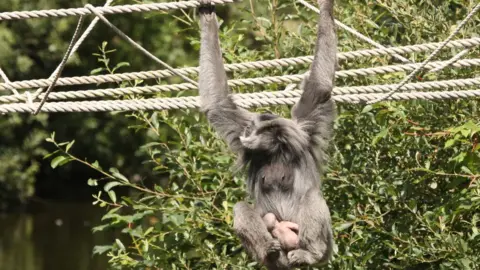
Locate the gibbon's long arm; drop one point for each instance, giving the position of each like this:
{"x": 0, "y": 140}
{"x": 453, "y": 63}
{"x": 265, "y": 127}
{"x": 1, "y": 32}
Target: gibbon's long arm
{"x": 315, "y": 108}
{"x": 228, "y": 120}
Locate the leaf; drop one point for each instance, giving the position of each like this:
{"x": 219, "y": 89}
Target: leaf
{"x": 96, "y": 165}
{"x": 99, "y": 250}
{"x": 69, "y": 146}
{"x": 110, "y": 185}
{"x": 57, "y": 161}
{"x": 449, "y": 143}
{"x": 112, "y": 196}
{"x": 382, "y": 134}
{"x": 119, "y": 244}
{"x": 367, "y": 108}
{"x": 92, "y": 182}
{"x": 344, "y": 226}
{"x": 96, "y": 71}
{"x": 120, "y": 176}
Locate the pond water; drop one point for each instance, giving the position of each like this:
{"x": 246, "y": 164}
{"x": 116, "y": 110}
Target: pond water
{"x": 55, "y": 236}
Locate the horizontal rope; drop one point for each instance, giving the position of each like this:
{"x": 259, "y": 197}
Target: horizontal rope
{"x": 284, "y": 62}
{"x": 285, "y": 79}
{"x": 18, "y": 15}
{"x": 193, "y": 102}
{"x": 460, "y": 83}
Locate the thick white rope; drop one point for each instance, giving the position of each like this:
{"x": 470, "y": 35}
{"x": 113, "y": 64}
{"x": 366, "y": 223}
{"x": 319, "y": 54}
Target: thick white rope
{"x": 283, "y": 62}
{"x": 459, "y": 83}
{"x": 285, "y": 79}
{"x": 112, "y": 92}
{"x": 452, "y": 60}
{"x": 193, "y": 102}
{"x": 431, "y": 56}
{"x": 6, "y": 80}
{"x": 354, "y": 32}
{"x": 18, "y": 15}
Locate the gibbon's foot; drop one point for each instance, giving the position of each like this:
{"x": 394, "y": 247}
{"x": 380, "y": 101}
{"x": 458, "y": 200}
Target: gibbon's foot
{"x": 300, "y": 257}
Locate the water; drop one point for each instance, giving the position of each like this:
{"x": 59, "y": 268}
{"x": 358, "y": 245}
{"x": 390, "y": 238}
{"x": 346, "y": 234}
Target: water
{"x": 52, "y": 237}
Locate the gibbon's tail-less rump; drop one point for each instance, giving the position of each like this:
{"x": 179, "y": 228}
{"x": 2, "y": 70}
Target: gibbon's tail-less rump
{"x": 284, "y": 158}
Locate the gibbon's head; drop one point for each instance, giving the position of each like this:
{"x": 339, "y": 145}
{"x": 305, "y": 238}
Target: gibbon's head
{"x": 270, "y": 133}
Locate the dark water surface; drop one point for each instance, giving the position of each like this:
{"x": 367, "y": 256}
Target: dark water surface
{"x": 54, "y": 236}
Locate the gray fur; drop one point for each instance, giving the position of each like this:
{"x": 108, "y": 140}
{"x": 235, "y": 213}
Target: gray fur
{"x": 284, "y": 158}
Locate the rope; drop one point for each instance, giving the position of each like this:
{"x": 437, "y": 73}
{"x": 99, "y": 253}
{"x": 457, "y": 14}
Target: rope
{"x": 354, "y": 32}
{"x": 62, "y": 64}
{"x": 283, "y": 62}
{"x": 19, "y": 15}
{"x": 285, "y": 79}
{"x": 193, "y": 102}
{"x": 5, "y": 79}
{"x": 407, "y": 87}
{"x": 451, "y": 61}
{"x": 431, "y": 56}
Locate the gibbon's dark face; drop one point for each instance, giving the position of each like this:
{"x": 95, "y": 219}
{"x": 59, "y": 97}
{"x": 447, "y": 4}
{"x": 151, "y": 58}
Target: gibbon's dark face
{"x": 267, "y": 132}
{"x": 259, "y": 134}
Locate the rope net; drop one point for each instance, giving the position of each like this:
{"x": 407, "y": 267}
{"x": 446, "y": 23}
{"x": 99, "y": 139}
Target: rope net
{"x": 12, "y": 100}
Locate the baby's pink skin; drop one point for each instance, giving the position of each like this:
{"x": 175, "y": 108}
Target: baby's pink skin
{"x": 284, "y": 231}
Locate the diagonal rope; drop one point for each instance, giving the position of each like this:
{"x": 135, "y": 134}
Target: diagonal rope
{"x": 77, "y": 45}
{"x": 138, "y": 46}
{"x": 452, "y": 60}
{"x": 62, "y": 63}
{"x": 431, "y": 56}
{"x": 6, "y": 80}
{"x": 354, "y": 32}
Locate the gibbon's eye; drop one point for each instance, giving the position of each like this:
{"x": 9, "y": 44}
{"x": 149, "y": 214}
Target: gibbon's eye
{"x": 283, "y": 177}
{"x": 249, "y": 129}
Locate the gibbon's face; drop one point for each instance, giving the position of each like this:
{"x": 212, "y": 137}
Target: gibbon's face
{"x": 263, "y": 133}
